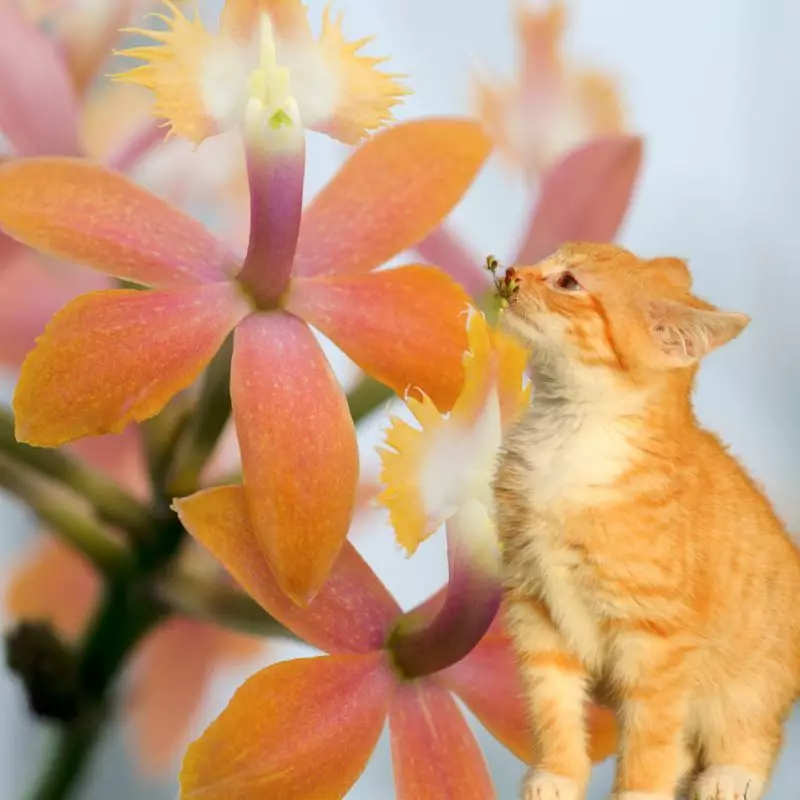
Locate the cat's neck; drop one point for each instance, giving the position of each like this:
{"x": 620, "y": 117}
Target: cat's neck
{"x": 659, "y": 404}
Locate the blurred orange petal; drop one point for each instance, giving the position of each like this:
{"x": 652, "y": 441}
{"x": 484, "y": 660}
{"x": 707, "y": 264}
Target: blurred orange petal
{"x": 584, "y": 197}
{"x": 405, "y": 326}
{"x": 113, "y": 357}
{"x": 82, "y": 212}
{"x": 38, "y": 110}
{"x": 391, "y": 193}
{"x": 298, "y": 730}
{"x": 172, "y": 673}
{"x": 298, "y": 446}
{"x": 120, "y": 456}
{"x": 55, "y": 583}
{"x": 31, "y": 292}
{"x": 353, "y": 612}
{"x": 434, "y": 753}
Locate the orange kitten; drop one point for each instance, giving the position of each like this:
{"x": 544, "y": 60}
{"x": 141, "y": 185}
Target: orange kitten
{"x": 642, "y": 562}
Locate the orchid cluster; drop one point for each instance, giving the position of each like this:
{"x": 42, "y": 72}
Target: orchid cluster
{"x": 177, "y": 428}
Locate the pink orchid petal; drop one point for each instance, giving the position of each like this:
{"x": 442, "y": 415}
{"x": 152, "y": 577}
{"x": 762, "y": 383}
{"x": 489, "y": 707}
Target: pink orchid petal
{"x": 118, "y": 356}
{"x": 169, "y": 687}
{"x": 38, "y": 110}
{"x": 352, "y": 613}
{"x": 298, "y": 730}
{"x": 82, "y": 212}
{"x": 584, "y": 197}
{"x": 488, "y": 682}
{"x": 299, "y": 450}
{"x": 405, "y": 326}
{"x": 120, "y": 456}
{"x": 445, "y": 250}
{"x": 10, "y": 250}
{"x": 31, "y": 292}
{"x": 434, "y": 752}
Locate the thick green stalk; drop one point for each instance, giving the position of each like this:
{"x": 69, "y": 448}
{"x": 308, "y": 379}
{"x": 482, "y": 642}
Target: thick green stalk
{"x": 67, "y": 515}
{"x": 111, "y": 503}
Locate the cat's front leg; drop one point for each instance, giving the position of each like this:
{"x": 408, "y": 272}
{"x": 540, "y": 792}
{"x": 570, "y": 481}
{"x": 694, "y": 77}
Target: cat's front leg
{"x": 653, "y": 675}
{"x": 555, "y": 685}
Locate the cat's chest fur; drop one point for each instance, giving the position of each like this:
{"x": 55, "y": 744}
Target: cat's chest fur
{"x": 561, "y": 464}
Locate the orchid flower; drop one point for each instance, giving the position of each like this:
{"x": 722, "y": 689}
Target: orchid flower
{"x": 308, "y": 727}
{"x": 551, "y": 108}
{"x": 113, "y": 357}
{"x": 57, "y": 584}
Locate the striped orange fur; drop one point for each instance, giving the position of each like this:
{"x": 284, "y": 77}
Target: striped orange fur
{"x": 642, "y": 563}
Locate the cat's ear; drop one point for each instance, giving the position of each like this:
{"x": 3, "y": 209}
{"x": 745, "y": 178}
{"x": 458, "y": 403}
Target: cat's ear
{"x": 684, "y": 333}
{"x": 674, "y": 270}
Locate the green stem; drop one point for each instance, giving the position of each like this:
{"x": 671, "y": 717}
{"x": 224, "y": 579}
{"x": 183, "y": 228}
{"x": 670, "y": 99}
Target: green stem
{"x": 366, "y": 396}
{"x": 75, "y": 743}
{"x": 127, "y": 613}
{"x": 221, "y": 603}
{"x": 111, "y": 503}
{"x": 67, "y": 515}
{"x": 211, "y": 415}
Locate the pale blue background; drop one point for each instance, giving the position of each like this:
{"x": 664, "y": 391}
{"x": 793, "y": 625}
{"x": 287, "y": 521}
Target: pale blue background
{"x": 713, "y": 86}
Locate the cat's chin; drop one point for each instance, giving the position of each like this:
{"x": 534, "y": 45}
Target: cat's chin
{"x": 523, "y": 329}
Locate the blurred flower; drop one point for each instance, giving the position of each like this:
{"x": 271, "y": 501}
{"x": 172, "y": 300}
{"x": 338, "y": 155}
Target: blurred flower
{"x": 309, "y": 726}
{"x": 551, "y": 108}
{"x": 116, "y": 356}
{"x": 55, "y": 583}
{"x": 582, "y": 197}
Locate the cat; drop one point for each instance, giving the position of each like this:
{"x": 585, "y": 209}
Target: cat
{"x": 641, "y": 563}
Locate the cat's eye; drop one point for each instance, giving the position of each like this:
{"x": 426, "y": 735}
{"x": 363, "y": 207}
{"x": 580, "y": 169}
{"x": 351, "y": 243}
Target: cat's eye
{"x": 567, "y": 282}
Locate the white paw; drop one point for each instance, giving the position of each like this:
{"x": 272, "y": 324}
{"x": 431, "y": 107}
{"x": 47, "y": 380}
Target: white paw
{"x": 642, "y": 796}
{"x": 727, "y": 783}
{"x": 540, "y": 785}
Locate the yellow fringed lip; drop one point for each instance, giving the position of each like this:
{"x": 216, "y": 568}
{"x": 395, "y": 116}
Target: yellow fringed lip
{"x": 431, "y": 471}
{"x": 202, "y": 82}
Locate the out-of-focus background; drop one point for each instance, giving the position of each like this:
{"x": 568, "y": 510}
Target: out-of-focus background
{"x": 711, "y": 86}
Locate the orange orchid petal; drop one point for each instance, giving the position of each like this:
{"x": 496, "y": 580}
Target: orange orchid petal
{"x": 390, "y": 194}
{"x": 288, "y": 17}
{"x": 433, "y": 750}
{"x": 169, "y": 686}
{"x": 298, "y": 446}
{"x": 584, "y": 197}
{"x": 352, "y": 613}
{"x": 298, "y": 730}
{"x": 82, "y": 212}
{"x": 31, "y": 292}
{"x": 405, "y": 326}
{"x": 38, "y": 111}
{"x": 110, "y": 358}
{"x": 54, "y": 583}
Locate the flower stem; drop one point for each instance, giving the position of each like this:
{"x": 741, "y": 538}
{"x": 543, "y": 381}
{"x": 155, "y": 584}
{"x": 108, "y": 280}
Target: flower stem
{"x": 366, "y": 396}
{"x": 136, "y": 146}
{"x": 111, "y": 503}
{"x": 431, "y": 639}
{"x": 211, "y": 415}
{"x": 67, "y": 515}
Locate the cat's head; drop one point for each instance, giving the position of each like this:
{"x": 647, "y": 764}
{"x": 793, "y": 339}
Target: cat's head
{"x": 600, "y": 306}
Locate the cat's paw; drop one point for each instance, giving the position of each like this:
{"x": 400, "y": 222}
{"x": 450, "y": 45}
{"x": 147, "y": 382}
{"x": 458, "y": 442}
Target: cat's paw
{"x": 642, "y": 796}
{"x": 541, "y": 785}
{"x": 727, "y": 783}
